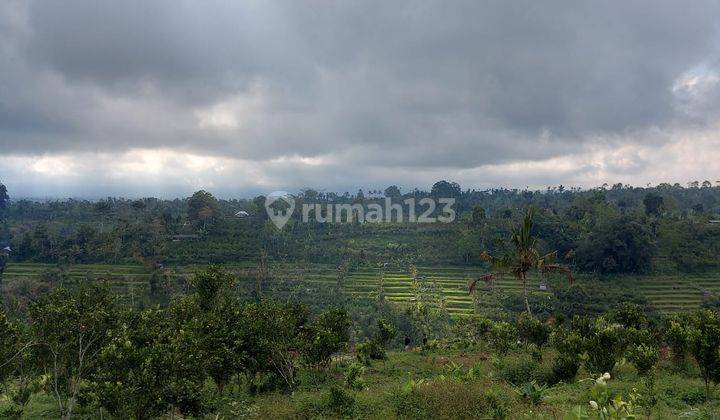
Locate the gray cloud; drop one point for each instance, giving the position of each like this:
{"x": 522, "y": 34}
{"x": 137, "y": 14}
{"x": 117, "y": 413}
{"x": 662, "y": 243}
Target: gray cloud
{"x": 425, "y": 86}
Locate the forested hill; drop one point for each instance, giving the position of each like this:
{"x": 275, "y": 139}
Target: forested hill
{"x": 618, "y": 229}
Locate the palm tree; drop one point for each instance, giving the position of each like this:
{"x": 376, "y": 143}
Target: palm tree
{"x": 523, "y": 257}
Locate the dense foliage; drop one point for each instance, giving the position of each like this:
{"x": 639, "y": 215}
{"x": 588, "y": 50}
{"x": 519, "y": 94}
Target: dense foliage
{"x": 621, "y": 229}
{"x": 226, "y": 343}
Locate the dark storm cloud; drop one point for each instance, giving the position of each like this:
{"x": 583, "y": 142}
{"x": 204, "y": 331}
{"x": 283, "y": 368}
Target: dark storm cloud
{"x": 402, "y": 83}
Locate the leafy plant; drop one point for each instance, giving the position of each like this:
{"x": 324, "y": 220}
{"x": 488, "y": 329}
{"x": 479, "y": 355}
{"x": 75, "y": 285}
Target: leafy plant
{"x": 678, "y": 338}
{"x": 327, "y": 335}
{"x": 704, "y": 341}
{"x": 569, "y": 347}
{"x": 604, "y": 404}
{"x": 374, "y": 348}
{"x": 368, "y": 351}
{"x": 503, "y": 336}
{"x": 603, "y": 346}
{"x": 533, "y": 392}
{"x": 644, "y": 357}
{"x": 531, "y": 330}
{"x": 354, "y": 376}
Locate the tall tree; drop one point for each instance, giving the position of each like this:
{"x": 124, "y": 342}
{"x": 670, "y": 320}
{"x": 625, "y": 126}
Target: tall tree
{"x": 523, "y": 257}
{"x": 70, "y": 326}
{"x": 445, "y": 189}
{"x": 392, "y": 191}
{"x": 203, "y": 207}
{"x": 654, "y": 204}
{"x": 3, "y": 228}
{"x": 4, "y": 197}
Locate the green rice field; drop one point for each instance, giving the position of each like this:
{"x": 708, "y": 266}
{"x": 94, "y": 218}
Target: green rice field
{"x": 665, "y": 292}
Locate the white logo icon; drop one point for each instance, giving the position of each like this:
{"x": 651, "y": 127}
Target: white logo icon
{"x": 280, "y": 213}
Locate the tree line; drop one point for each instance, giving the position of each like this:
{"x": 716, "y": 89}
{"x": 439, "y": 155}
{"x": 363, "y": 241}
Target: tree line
{"x": 617, "y": 229}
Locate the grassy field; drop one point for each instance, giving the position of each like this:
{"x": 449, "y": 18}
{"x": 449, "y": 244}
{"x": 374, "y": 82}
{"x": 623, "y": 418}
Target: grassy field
{"x": 455, "y": 381}
{"x": 665, "y": 292}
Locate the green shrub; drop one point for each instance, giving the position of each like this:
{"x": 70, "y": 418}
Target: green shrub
{"x": 704, "y": 341}
{"x": 340, "y": 401}
{"x": 450, "y": 399}
{"x": 368, "y": 351}
{"x": 582, "y": 325}
{"x": 566, "y": 342}
{"x": 473, "y": 330}
{"x": 532, "y": 330}
{"x": 354, "y": 376}
{"x": 693, "y": 397}
{"x": 677, "y": 337}
{"x": 517, "y": 370}
{"x": 564, "y": 369}
{"x": 337, "y": 402}
{"x": 533, "y": 392}
{"x": 603, "y": 347}
{"x": 327, "y": 335}
{"x": 385, "y": 333}
{"x": 503, "y": 337}
{"x": 629, "y": 315}
{"x": 374, "y": 349}
{"x": 644, "y": 357}
{"x": 569, "y": 347}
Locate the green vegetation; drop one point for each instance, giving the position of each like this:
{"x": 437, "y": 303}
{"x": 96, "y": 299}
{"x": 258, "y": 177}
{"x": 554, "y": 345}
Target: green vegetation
{"x": 150, "y": 309}
{"x": 215, "y": 354}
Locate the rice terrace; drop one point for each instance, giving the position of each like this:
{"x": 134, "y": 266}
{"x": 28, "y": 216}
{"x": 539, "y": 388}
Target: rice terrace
{"x": 309, "y": 210}
{"x": 665, "y": 293}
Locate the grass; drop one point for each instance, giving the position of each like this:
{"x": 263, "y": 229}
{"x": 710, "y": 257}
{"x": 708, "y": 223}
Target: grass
{"x": 667, "y": 293}
{"x": 679, "y": 394}
{"x": 449, "y": 390}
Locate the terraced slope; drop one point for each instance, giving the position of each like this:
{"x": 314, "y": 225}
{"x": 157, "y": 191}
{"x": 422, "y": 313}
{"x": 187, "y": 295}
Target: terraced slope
{"x": 127, "y": 281}
{"x": 677, "y": 292}
{"x": 666, "y": 292}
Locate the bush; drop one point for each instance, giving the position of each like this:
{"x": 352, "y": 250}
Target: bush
{"x": 569, "y": 346}
{"x": 629, "y": 315}
{"x": 336, "y": 403}
{"x": 385, "y": 332}
{"x": 518, "y": 370}
{"x": 374, "y": 349}
{"x": 450, "y": 399}
{"x": 704, "y": 340}
{"x": 533, "y": 392}
{"x": 531, "y": 330}
{"x": 327, "y": 335}
{"x": 563, "y": 369}
{"x": 604, "y": 346}
{"x": 340, "y": 401}
{"x": 582, "y": 326}
{"x": 677, "y": 337}
{"x": 503, "y": 337}
{"x": 354, "y": 376}
{"x": 472, "y": 331}
{"x": 644, "y": 357}
{"x": 368, "y": 351}
{"x": 566, "y": 342}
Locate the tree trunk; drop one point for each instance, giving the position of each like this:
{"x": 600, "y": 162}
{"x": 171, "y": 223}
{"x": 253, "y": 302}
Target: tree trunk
{"x": 525, "y": 294}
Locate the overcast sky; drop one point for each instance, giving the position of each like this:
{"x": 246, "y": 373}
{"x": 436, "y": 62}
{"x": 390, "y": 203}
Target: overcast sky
{"x": 161, "y": 98}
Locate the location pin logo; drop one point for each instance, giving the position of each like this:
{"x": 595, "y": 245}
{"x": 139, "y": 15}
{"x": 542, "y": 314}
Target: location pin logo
{"x": 281, "y": 212}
